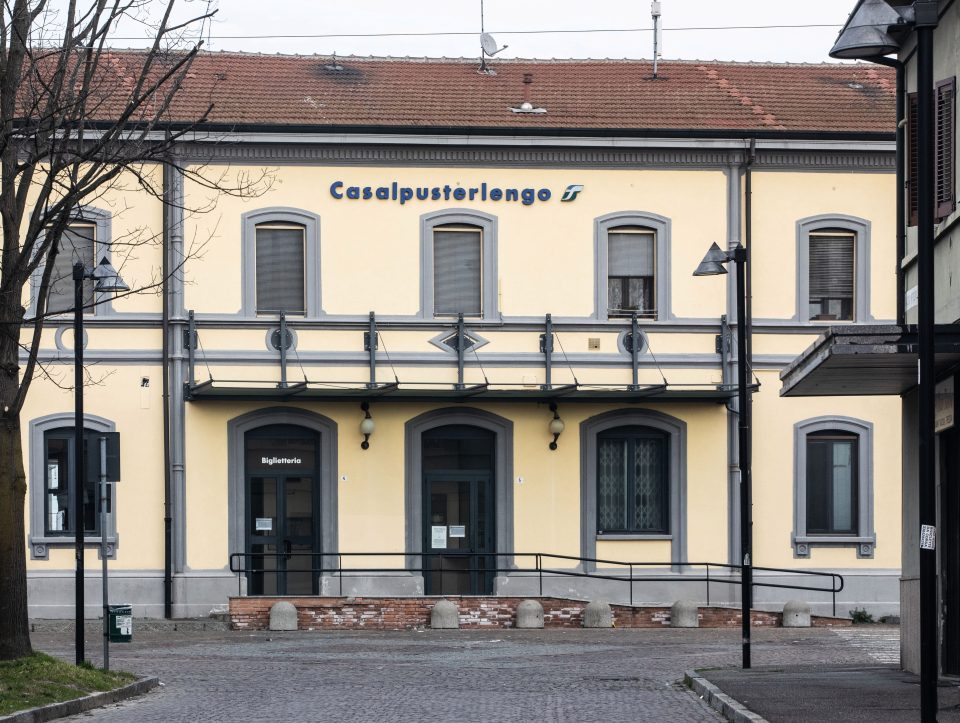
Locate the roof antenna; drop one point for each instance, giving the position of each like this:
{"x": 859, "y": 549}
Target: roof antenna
{"x": 655, "y": 12}
{"x": 488, "y": 47}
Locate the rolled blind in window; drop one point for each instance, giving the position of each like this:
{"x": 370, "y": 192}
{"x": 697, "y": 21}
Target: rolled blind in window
{"x": 457, "y": 272}
{"x": 831, "y": 266}
{"x": 76, "y": 244}
{"x": 630, "y": 254}
{"x": 280, "y": 266}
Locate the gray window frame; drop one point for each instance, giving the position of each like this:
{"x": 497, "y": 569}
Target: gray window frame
{"x": 660, "y": 225}
{"x": 676, "y": 431}
{"x": 865, "y": 539}
{"x": 311, "y": 257}
{"x": 102, "y": 246}
{"x": 489, "y": 277}
{"x": 860, "y": 228}
{"x": 39, "y": 542}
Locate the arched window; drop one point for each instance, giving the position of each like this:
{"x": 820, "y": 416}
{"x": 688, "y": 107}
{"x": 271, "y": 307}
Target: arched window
{"x": 281, "y": 263}
{"x": 833, "y": 269}
{"x": 632, "y": 264}
{"x": 53, "y": 498}
{"x": 458, "y": 254}
{"x": 86, "y": 239}
{"x": 833, "y": 483}
{"x": 633, "y": 479}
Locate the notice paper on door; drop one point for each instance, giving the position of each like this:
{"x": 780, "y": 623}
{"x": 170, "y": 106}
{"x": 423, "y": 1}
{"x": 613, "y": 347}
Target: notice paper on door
{"x": 264, "y": 524}
{"x": 458, "y": 531}
{"x": 438, "y": 537}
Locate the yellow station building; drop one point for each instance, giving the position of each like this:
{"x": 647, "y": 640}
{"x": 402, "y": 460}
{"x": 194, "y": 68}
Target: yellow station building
{"x": 452, "y": 324}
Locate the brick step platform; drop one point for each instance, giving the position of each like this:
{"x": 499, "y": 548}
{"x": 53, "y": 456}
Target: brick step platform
{"x": 406, "y": 613}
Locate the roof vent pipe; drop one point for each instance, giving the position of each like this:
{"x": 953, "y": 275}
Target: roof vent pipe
{"x": 655, "y": 13}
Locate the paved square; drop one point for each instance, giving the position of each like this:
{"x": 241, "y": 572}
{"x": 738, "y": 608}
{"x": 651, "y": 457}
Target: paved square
{"x": 496, "y": 675}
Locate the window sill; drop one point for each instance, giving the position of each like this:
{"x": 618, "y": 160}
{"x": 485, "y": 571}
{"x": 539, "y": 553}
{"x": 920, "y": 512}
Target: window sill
{"x": 40, "y": 546}
{"x": 865, "y": 545}
{"x": 632, "y": 536}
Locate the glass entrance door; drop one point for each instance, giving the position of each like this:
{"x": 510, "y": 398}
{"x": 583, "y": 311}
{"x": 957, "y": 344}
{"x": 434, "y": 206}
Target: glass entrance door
{"x": 458, "y": 534}
{"x": 281, "y": 533}
{"x": 282, "y": 511}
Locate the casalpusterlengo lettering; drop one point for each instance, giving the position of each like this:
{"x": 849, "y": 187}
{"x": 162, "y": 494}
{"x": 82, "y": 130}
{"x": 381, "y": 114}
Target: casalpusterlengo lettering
{"x": 403, "y": 194}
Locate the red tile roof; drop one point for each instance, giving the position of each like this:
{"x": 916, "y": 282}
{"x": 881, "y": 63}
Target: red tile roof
{"x": 608, "y": 95}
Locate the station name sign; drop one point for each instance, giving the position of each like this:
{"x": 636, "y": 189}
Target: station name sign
{"x": 484, "y": 192}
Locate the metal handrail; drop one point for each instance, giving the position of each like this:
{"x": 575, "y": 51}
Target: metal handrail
{"x": 836, "y": 580}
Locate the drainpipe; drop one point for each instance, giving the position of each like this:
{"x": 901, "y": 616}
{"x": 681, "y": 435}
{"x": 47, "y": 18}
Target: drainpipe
{"x": 901, "y": 176}
{"x": 747, "y": 238}
{"x": 167, "y": 492}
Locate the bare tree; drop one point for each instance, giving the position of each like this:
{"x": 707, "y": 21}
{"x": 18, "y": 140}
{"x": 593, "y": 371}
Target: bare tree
{"x": 76, "y": 118}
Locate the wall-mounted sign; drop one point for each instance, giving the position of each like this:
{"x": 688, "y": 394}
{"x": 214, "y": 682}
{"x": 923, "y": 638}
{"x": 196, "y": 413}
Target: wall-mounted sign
{"x": 484, "y": 192}
{"x": 438, "y": 537}
{"x": 458, "y": 531}
{"x": 943, "y": 405}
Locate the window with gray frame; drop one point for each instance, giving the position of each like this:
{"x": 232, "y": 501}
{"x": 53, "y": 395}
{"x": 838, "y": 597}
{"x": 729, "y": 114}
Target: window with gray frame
{"x": 78, "y": 243}
{"x": 631, "y": 271}
{"x": 833, "y": 485}
{"x": 51, "y": 488}
{"x": 457, "y": 270}
{"x": 280, "y": 262}
{"x": 832, "y": 462}
{"x": 633, "y": 481}
{"x": 831, "y": 269}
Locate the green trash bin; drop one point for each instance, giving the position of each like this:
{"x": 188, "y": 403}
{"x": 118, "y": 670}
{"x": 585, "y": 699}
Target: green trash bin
{"x": 121, "y": 623}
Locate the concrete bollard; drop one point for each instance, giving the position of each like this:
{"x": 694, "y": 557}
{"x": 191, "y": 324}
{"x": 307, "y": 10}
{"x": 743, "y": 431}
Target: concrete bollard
{"x": 796, "y": 614}
{"x": 444, "y": 616}
{"x": 597, "y": 614}
{"x": 684, "y": 614}
{"x": 529, "y": 614}
{"x": 283, "y": 616}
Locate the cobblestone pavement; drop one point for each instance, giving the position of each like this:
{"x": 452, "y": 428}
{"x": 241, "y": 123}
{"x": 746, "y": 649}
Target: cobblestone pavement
{"x": 496, "y": 675}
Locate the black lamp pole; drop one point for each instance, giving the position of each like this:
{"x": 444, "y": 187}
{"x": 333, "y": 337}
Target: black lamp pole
{"x": 744, "y": 416}
{"x": 79, "y": 273}
{"x": 712, "y": 265}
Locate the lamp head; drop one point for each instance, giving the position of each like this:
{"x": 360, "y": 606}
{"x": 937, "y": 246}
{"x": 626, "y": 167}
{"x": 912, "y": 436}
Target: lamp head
{"x": 713, "y": 261}
{"x": 866, "y": 33}
{"x": 108, "y": 279}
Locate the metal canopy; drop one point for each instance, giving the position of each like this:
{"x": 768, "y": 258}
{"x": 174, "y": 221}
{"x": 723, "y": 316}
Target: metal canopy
{"x": 865, "y": 361}
{"x": 232, "y": 390}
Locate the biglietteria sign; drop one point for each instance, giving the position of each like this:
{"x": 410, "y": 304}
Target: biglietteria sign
{"x": 484, "y": 192}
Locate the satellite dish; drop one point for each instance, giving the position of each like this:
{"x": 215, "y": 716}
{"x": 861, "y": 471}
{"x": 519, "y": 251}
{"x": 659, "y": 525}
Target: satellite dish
{"x": 489, "y": 45}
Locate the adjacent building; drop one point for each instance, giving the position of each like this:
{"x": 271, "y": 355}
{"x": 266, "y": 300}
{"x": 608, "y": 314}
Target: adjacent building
{"x": 446, "y": 329}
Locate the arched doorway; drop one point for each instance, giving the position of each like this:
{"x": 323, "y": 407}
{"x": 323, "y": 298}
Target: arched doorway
{"x": 458, "y": 463}
{"x": 282, "y": 515}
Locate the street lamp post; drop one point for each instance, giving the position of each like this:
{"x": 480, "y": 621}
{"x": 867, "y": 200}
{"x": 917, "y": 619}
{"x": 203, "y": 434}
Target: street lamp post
{"x": 712, "y": 265}
{"x": 105, "y": 279}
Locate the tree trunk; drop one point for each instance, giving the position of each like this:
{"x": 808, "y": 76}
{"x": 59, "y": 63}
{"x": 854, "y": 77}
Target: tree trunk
{"x": 14, "y": 628}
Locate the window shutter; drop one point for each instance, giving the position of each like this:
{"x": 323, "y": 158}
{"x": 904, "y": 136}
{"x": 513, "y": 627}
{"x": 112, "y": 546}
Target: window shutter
{"x": 831, "y": 266}
{"x": 630, "y": 254}
{"x": 457, "y": 272}
{"x": 76, "y": 244}
{"x": 912, "y": 163}
{"x": 280, "y": 267}
{"x": 946, "y": 103}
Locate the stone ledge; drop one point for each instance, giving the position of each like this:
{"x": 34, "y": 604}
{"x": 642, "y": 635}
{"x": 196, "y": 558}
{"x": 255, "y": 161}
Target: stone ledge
{"x": 80, "y": 705}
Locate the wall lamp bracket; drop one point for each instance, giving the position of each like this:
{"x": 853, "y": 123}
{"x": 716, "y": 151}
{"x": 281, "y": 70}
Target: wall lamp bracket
{"x": 366, "y": 425}
{"x": 556, "y": 426}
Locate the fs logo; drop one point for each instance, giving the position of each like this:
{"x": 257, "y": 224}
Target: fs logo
{"x": 570, "y": 194}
